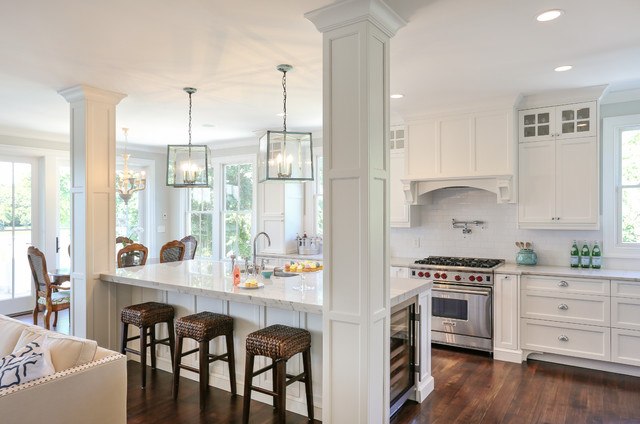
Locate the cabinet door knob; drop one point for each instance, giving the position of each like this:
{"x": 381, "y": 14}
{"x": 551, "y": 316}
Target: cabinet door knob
{"x": 563, "y": 284}
{"x": 563, "y": 306}
{"x": 563, "y": 338}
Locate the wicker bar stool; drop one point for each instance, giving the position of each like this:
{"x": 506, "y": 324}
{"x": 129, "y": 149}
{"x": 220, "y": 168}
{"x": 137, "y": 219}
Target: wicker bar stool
{"x": 278, "y": 342}
{"x": 145, "y": 316}
{"x": 204, "y": 327}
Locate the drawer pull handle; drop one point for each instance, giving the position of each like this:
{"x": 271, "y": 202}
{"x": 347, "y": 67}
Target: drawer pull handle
{"x": 563, "y": 306}
{"x": 563, "y": 284}
{"x": 563, "y": 338}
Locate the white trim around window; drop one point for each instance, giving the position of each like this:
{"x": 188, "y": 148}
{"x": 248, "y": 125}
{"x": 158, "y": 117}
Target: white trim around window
{"x": 611, "y": 188}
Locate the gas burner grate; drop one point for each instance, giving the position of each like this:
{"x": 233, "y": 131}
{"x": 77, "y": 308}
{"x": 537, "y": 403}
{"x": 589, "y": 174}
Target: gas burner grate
{"x": 462, "y": 262}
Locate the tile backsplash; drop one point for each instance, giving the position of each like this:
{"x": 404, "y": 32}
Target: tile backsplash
{"x": 495, "y": 239}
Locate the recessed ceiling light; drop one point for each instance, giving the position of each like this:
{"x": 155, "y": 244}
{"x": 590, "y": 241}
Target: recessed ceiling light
{"x": 549, "y": 15}
{"x": 397, "y": 96}
{"x": 563, "y": 68}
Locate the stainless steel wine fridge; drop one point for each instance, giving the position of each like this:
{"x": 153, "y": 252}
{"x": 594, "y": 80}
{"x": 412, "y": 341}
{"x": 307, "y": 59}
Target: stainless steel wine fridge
{"x": 403, "y": 357}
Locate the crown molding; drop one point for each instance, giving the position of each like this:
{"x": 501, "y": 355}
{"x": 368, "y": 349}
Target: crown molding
{"x": 349, "y": 12}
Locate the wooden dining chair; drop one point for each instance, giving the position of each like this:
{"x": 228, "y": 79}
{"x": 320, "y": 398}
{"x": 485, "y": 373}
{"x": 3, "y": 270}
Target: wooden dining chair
{"x": 190, "y": 245}
{"x": 172, "y": 251}
{"x": 123, "y": 240}
{"x": 48, "y": 295}
{"x": 132, "y": 255}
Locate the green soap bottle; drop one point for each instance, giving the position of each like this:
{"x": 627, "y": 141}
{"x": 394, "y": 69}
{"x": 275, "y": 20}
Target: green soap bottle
{"x": 596, "y": 256}
{"x": 575, "y": 255}
{"x": 585, "y": 256}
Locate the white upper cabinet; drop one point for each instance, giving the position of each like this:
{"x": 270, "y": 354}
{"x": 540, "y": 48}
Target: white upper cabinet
{"x": 558, "y": 168}
{"x": 400, "y": 213}
{"x": 564, "y": 121}
{"x": 461, "y": 146}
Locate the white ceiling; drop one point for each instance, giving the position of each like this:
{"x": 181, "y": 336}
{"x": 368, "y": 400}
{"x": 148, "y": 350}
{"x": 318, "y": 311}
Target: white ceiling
{"x": 451, "y": 53}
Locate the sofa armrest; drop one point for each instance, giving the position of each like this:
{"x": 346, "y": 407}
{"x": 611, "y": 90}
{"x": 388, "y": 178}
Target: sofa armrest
{"x": 92, "y": 393}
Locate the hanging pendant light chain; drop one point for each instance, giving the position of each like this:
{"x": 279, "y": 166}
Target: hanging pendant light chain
{"x": 284, "y": 101}
{"x": 190, "y": 93}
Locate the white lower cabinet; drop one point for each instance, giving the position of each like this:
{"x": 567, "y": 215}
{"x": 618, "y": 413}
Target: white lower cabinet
{"x": 625, "y": 346}
{"x": 575, "y": 308}
{"x": 567, "y": 316}
{"x": 505, "y": 326}
{"x": 581, "y": 341}
{"x": 625, "y": 322}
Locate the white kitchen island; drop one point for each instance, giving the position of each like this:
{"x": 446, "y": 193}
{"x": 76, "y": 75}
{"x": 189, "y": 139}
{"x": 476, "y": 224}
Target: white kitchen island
{"x": 205, "y": 285}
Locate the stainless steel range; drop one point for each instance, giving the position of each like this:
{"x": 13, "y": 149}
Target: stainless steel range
{"x": 462, "y": 300}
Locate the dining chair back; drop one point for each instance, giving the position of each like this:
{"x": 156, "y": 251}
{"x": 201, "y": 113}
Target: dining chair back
{"x": 190, "y": 246}
{"x": 172, "y": 251}
{"x": 48, "y": 295}
{"x": 132, "y": 255}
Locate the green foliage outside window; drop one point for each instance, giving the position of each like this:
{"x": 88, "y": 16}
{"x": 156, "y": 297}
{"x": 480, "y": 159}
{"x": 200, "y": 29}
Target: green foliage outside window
{"x": 238, "y": 209}
{"x": 16, "y": 214}
{"x": 630, "y": 179}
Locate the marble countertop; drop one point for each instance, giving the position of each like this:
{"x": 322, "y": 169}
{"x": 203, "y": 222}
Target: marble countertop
{"x": 213, "y": 279}
{"x": 293, "y": 256}
{"x": 565, "y": 271}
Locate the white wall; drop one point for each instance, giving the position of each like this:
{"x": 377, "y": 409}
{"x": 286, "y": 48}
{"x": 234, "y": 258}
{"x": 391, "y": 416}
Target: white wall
{"x": 495, "y": 239}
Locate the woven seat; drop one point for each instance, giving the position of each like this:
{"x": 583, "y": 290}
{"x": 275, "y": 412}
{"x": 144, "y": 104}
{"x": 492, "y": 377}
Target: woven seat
{"x": 278, "y": 342}
{"x": 204, "y": 327}
{"x": 145, "y": 316}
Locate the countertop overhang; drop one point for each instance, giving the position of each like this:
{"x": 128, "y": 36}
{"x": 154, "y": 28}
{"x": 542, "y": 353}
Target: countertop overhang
{"x": 212, "y": 279}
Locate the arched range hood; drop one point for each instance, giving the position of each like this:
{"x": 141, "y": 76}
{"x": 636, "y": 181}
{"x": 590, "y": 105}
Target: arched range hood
{"x": 501, "y": 185}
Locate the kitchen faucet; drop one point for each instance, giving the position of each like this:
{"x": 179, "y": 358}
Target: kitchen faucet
{"x": 255, "y": 240}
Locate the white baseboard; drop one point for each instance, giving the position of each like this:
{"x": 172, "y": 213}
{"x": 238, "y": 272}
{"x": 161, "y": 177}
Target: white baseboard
{"x": 507, "y": 355}
{"x": 423, "y": 389}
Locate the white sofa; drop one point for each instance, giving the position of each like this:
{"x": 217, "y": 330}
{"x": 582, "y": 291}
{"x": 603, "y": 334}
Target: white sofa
{"x": 89, "y": 385}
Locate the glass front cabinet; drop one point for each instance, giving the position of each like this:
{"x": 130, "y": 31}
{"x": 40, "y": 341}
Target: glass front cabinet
{"x": 558, "y": 122}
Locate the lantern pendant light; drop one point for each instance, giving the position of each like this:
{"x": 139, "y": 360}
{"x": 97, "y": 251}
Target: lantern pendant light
{"x": 188, "y": 165}
{"x": 285, "y": 155}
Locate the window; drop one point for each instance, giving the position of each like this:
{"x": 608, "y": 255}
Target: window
{"x": 200, "y": 219}
{"x": 621, "y": 188}
{"x": 237, "y": 211}
{"x": 222, "y": 217}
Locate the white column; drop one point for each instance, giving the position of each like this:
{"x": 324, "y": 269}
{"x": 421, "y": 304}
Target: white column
{"x": 356, "y": 38}
{"x": 93, "y": 121}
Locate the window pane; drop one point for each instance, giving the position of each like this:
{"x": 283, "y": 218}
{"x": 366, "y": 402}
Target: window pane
{"x": 202, "y": 229}
{"x": 630, "y": 215}
{"x": 245, "y": 181}
{"x": 630, "y": 157}
{"x": 237, "y": 232}
{"x": 231, "y": 189}
{"x": 319, "y": 215}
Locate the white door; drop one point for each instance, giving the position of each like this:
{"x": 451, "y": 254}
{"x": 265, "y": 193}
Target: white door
{"x": 18, "y": 214}
{"x": 537, "y": 124}
{"x": 537, "y": 182}
{"x": 576, "y": 120}
{"x": 577, "y": 194}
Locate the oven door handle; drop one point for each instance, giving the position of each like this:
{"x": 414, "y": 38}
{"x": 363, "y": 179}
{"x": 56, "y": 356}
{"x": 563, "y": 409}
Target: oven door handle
{"x": 473, "y": 292}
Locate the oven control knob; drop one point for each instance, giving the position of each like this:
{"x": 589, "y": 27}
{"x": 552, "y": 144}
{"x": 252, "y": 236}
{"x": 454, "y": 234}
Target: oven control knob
{"x": 420, "y": 274}
{"x": 472, "y": 278}
{"x": 444, "y": 276}
{"x": 479, "y": 278}
{"x": 436, "y": 275}
{"x": 427, "y": 274}
{"x": 458, "y": 278}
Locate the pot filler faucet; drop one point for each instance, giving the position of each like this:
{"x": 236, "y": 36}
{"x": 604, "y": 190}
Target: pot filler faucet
{"x": 255, "y": 240}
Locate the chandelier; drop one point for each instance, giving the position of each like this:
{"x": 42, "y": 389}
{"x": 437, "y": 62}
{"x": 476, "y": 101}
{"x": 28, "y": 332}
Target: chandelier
{"x": 285, "y": 155}
{"x": 187, "y": 164}
{"x": 128, "y": 182}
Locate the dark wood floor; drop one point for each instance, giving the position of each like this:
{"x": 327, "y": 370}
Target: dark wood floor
{"x": 472, "y": 388}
